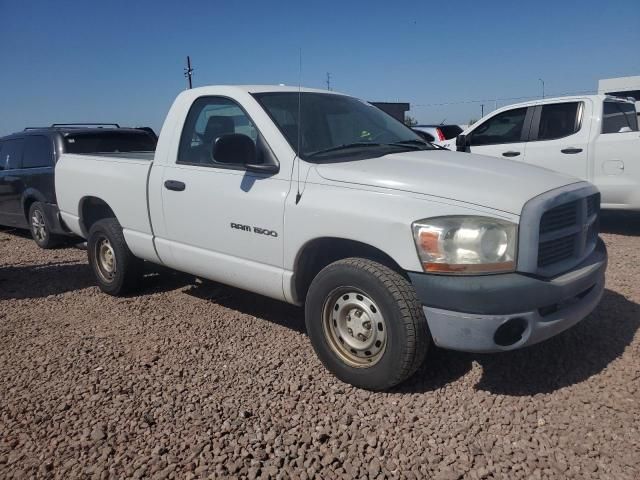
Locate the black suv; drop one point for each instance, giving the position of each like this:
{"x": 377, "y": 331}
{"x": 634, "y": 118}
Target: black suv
{"x": 27, "y": 160}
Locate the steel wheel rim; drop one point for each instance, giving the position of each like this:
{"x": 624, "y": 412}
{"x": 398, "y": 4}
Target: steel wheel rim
{"x": 105, "y": 259}
{"x": 354, "y": 327}
{"x": 38, "y": 226}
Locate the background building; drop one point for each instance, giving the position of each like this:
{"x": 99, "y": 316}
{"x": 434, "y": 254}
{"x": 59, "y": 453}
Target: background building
{"x": 395, "y": 109}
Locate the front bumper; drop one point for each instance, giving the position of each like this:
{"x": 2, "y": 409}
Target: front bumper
{"x": 493, "y": 313}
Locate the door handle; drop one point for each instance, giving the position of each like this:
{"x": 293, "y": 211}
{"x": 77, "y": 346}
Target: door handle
{"x": 571, "y": 150}
{"x": 174, "y": 185}
{"x": 510, "y": 153}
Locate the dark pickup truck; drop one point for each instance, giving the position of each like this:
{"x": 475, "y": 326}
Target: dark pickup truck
{"x": 27, "y": 160}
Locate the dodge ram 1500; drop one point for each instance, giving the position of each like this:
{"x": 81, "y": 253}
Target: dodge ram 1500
{"x": 322, "y": 200}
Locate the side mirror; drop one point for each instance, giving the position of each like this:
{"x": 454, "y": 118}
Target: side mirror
{"x": 239, "y": 149}
{"x": 262, "y": 167}
{"x": 462, "y": 142}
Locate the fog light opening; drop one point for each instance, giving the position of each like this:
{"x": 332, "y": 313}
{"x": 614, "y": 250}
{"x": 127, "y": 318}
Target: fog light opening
{"x": 510, "y": 332}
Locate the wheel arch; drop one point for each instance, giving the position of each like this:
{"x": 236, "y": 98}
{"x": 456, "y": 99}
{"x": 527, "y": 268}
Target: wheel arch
{"x": 90, "y": 210}
{"x": 29, "y": 197}
{"x": 316, "y": 254}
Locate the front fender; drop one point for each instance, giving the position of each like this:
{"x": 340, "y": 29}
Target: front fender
{"x": 381, "y": 218}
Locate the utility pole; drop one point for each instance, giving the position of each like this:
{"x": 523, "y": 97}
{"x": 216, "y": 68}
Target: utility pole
{"x": 328, "y": 80}
{"x": 481, "y": 110}
{"x": 542, "y": 81}
{"x": 188, "y": 72}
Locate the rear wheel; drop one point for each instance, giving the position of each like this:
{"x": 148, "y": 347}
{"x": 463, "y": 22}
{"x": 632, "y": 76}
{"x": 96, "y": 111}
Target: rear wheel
{"x": 366, "y": 323}
{"x": 39, "y": 227}
{"x": 116, "y": 269}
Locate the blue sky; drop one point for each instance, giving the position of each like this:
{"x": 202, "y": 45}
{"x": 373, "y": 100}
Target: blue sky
{"x": 120, "y": 61}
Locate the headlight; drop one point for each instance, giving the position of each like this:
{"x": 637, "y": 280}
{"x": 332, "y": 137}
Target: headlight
{"x": 466, "y": 245}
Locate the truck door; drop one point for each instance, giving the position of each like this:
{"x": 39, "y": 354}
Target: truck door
{"x": 616, "y": 156}
{"x": 559, "y": 138}
{"x": 221, "y": 221}
{"x": 502, "y": 135}
{"x": 11, "y": 185}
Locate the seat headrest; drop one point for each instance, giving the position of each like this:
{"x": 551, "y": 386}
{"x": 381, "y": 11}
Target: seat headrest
{"x": 217, "y": 126}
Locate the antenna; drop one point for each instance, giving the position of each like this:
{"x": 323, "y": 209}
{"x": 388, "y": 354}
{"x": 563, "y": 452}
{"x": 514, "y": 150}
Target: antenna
{"x": 188, "y": 72}
{"x": 329, "y": 81}
{"x": 297, "y": 159}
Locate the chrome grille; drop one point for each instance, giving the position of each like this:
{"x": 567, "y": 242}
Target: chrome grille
{"x": 568, "y": 232}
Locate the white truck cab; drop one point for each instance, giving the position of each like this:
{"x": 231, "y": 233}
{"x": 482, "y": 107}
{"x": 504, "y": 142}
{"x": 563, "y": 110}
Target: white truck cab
{"x": 322, "y": 200}
{"x": 593, "y": 137}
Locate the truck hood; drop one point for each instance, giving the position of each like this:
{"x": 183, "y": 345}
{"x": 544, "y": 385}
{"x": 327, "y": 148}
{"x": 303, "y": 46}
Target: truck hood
{"x": 490, "y": 182}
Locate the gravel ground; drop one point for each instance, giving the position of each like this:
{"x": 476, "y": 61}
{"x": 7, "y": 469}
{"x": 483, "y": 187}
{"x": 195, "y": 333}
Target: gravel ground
{"x": 191, "y": 380}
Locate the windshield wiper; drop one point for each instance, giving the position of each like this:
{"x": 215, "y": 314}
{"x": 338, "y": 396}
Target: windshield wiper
{"x": 440, "y": 147}
{"x": 424, "y": 143}
{"x": 415, "y": 144}
{"x": 346, "y": 146}
{"x": 414, "y": 141}
{"x": 411, "y": 144}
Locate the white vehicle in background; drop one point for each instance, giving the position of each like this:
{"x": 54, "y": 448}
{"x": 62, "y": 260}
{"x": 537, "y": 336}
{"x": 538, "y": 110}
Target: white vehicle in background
{"x": 443, "y": 135}
{"x": 593, "y": 137}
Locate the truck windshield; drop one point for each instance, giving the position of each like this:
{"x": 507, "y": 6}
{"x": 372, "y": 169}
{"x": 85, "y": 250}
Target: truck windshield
{"x": 337, "y": 127}
{"x": 109, "y": 142}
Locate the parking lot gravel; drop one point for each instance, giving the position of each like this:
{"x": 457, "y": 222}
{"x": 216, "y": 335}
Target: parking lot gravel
{"x": 190, "y": 379}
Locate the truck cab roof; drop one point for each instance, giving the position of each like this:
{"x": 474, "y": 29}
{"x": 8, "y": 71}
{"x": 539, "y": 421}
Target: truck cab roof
{"x": 216, "y": 89}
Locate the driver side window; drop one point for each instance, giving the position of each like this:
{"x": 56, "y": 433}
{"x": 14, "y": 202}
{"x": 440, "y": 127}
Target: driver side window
{"x": 210, "y": 118}
{"x": 505, "y": 127}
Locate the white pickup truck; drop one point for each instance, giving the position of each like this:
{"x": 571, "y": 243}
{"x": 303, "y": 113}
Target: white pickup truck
{"x": 592, "y": 137}
{"x": 322, "y": 200}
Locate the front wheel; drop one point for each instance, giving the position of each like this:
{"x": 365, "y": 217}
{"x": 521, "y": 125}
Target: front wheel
{"x": 116, "y": 269}
{"x": 366, "y": 323}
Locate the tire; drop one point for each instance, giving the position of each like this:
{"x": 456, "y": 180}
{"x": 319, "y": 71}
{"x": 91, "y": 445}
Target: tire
{"x": 116, "y": 269}
{"x": 39, "y": 228}
{"x": 366, "y": 324}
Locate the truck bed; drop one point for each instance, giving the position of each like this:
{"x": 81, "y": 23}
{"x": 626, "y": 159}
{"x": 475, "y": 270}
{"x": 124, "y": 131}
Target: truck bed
{"x": 120, "y": 181}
